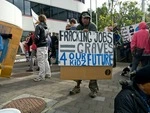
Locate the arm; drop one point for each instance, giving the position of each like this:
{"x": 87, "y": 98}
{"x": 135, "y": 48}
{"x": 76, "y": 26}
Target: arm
{"x": 37, "y": 34}
{"x": 124, "y": 104}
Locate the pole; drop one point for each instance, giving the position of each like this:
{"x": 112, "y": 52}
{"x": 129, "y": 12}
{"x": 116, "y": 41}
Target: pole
{"x": 91, "y": 9}
{"x": 96, "y": 14}
{"x": 112, "y": 4}
{"x": 143, "y": 9}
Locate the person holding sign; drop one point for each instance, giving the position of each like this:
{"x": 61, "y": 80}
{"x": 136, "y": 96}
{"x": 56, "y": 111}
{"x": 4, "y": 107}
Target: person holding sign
{"x": 86, "y": 26}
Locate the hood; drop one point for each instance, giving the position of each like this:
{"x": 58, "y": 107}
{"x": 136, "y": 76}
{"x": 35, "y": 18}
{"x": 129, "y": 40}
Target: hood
{"x": 43, "y": 24}
{"x": 82, "y": 14}
{"x": 143, "y": 25}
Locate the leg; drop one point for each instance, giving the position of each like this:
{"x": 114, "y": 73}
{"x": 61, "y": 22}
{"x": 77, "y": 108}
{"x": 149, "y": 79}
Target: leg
{"x": 135, "y": 63}
{"x": 114, "y": 59}
{"x": 47, "y": 66}
{"x": 94, "y": 88}
{"x": 31, "y": 61}
{"x": 76, "y": 89}
{"x": 144, "y": 61}
{"x": 41, "y": 63}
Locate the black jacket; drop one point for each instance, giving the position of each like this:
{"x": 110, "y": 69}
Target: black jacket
{"x": 40, "y": 35}
{"x": 130, "y": 101}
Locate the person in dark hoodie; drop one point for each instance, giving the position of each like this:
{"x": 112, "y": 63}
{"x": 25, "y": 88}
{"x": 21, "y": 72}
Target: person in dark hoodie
{"x": 135, "y": 97}
{"x": 85, "y": 25}
{"x": 141, "y": 40}
{"x": 42, "y": 49}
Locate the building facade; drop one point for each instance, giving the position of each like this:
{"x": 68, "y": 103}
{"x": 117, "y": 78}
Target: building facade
{"x": 57, "y": 12}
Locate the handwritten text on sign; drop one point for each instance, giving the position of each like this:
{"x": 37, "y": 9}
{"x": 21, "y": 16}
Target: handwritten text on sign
{"x": 77, "y": 48}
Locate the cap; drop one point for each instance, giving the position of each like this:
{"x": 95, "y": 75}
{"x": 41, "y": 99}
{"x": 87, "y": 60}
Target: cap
{"x": 86, "y": 15}
{"x": 142, "y": 75}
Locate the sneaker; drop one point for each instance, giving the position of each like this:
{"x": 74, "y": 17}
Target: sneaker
{"x": 48, "y": 76}
{"x": 29, "y": 70}
{"x": 38, "y": 79}
{"x": 93, "y": 94}
{"x": 38, "y": 69}
{"x": 75, "y": 90}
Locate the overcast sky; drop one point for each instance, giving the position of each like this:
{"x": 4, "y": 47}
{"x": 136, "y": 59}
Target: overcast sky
{"x": 100, "y": 2}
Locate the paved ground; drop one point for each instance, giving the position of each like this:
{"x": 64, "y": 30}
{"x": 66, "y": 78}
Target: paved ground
{"x": 56, "y": 90}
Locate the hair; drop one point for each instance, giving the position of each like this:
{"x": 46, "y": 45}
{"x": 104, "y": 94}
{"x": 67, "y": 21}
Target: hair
{"x": 42, "y": 18}
{"x": 73, "y": 21}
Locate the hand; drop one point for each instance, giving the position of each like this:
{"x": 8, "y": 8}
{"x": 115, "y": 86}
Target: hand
{"x": 85, "y": 30}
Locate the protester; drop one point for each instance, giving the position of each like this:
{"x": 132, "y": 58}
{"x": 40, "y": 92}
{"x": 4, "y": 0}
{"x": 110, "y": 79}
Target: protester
{"x": 86, "y": 26}
{"x": 135, "y": 97}
{"x": 42, "y": 49}
{"x": 140, "y": 46}
{"x": 32, "y": 49}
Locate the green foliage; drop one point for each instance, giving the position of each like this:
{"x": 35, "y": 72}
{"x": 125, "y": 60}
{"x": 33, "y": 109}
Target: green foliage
{"x": 123, "y": 13}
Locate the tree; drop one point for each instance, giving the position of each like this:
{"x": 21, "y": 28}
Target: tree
{"x": 148, "y": 14}
{"x": 123, "y": 13}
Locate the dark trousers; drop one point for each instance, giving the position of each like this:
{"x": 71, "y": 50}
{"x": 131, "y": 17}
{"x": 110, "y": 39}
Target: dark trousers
{"x": 145, "y": 60}
{"x": 92, "y": 85}
{"x": 114, "y": 58}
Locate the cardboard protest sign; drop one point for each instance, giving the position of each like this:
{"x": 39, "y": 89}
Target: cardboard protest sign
{"x": 86, "y": 55}
{"x": 9, "y": 51}
{"x": 128, "y": 31}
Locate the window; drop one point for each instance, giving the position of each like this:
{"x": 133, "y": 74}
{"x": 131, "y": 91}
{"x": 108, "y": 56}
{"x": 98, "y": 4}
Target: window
{"x": 35, "y": 7}
{"x": 62, "y": 14}
{"x": 11, "y": 1}
{"x": 83, "y": 1}
{"x": 49, "y": 11}
{"x": 27, "y": 8}
{"x": 19, "y": 4}
{"x": 44, "y": 9}
{"x": 53, "y": 13}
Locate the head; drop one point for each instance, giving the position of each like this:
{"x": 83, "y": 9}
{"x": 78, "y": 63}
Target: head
{"x": 142, "y": 79}
{"x": 143, "y": 25}
{"x": 84, "y": 18}
{"x": 73, "y": 21}
{"x": 42, "y": 18}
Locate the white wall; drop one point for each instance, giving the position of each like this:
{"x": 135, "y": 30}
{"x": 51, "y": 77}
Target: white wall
{"x": 73, "y": 5}
{"x": 53, "y": 25}
{"x": 10, "y": 13}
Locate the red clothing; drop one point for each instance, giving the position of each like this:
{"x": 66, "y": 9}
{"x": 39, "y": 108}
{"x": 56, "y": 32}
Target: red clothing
{"x": 141, "y": 38}
{"x": 33, "y": 46}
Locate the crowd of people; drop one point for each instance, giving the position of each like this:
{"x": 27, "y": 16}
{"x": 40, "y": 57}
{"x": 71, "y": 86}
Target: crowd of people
{"x": 135, "y": 94}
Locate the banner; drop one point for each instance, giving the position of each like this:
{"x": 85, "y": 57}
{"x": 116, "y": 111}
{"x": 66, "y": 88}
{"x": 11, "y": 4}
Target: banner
{"x": 78, "y": 48}
{"x": 34, "y": 17}
{"x": 128, "y": 31}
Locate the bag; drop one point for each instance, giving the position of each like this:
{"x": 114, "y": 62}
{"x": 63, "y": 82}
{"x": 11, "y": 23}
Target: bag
{"x": 138, "y": 52}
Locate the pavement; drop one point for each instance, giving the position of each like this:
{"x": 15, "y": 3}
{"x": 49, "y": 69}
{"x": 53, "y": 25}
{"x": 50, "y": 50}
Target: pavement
{"x": 55, "y": 91}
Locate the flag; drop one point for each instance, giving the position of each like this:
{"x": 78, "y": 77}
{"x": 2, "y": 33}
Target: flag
{"x": 34, "y": 17}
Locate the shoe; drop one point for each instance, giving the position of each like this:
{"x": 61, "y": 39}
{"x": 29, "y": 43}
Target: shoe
{"x": 93, "y": 94}
{"x": 75, "y": 90}
{"x": 29, "y": 70}
{"x": 48, "y": 76}
{"x": 38, "y": 69}
{"x": 38, "y": 79}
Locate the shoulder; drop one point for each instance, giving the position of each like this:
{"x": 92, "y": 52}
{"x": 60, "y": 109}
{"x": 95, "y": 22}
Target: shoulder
{"x": 92, "y": 27}
{"x": 92, "y": 24}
